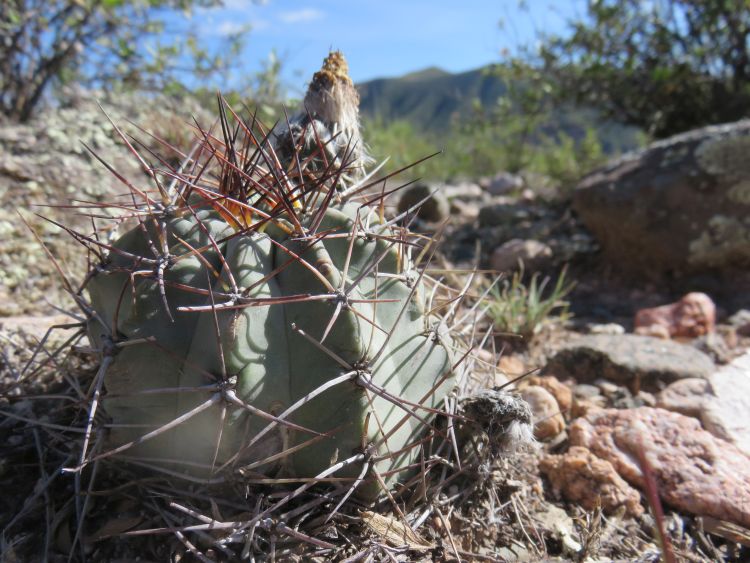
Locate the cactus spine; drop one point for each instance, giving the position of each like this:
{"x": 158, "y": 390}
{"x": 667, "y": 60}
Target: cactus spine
{"x": 262, "y": 320}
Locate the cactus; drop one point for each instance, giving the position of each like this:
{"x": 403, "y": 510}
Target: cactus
{"x": 267, "y": 320}
{"x": 270, "y": 347}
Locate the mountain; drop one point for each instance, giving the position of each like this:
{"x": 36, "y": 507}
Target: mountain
{"x": 430, "y": 98}
{"x": 433, "y": 99}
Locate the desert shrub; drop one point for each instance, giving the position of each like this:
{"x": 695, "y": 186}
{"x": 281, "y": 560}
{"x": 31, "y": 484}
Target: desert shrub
{"x": 101, "y": 43}
{"x": 521, "y": 308}
{"x": 666, "y": 66}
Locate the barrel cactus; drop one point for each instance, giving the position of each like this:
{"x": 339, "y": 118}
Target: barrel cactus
{"x": 261, "y": 319}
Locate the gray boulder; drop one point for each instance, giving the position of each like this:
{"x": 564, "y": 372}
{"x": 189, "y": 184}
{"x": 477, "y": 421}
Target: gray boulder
{"x": 639, "y": 362}
{"x": 680, "y": 205}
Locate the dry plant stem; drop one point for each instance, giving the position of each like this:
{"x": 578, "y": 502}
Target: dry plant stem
{"x": 652, "y": 494}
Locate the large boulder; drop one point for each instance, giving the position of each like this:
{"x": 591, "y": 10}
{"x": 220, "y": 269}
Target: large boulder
{"x": 680, "y": 205}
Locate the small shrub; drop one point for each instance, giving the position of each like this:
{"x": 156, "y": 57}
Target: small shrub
{"x": 518, "y": 308}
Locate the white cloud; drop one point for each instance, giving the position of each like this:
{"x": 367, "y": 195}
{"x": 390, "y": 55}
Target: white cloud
{"x": 229, "y": 28}
{"x": 242, "y": 4}
{"x": 300, "y": 16}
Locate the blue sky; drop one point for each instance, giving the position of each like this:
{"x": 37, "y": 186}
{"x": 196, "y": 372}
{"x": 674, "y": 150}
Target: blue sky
{"x": 386, "y": 37}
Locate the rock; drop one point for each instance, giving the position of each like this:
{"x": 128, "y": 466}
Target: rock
{"x": 685, "y": 396}
{"x": 435, "y": 207}
{"x": 628, "y": 359}
{"x": 644, "y": 399}
{"x": 586, "y": 391}
{"x": 516, "y": 254}
{"x": 464, "y": 212}
{"x": 502, "y": 183}
{"x": 692, "y": 316}
{"x": 715, "y": 346}
{"x": 681, "y": 204}
{"x": 585, "y": 398}
{"x": 36, "y": 326}
{"x": 561, "y": 392}
{"x": 548, "y": 421}
{"x": 654, "y": 331}
{"x": 607, "y": 328}
{"x": 44, "y": 161}
{"x": 462, "y": 191}
{"x": 726, "y": 411}
{"x": 581, "y": 477}
{"x": 694, "y": 471}
{"x": 511, "y": 366}
{"x": 513, "y": 215}
{"x": 741, "y": 322}
{"x": 555, "y": 521}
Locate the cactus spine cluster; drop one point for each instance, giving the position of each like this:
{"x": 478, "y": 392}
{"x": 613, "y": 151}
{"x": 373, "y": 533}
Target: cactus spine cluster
{"x": 261, "y": 319}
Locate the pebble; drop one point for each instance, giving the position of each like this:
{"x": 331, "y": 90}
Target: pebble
{"x": 518, "y": 253}
{"x": 548, "y": 420}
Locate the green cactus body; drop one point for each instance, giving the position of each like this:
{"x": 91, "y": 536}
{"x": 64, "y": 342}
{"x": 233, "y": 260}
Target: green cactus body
{"x": 271, "y": 327}
{"x": 261, "y": 348}
{"x": 133, "y": 303}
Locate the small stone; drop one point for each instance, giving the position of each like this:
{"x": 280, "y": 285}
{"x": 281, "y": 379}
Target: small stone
{"x": 502, "y": 183}
{"x": 561, "y": 392}
{"x": 511, "y": 366}
{"x": 741, "y": 322}
{"x": 608, "y": 328}
{"x": 725, "y": 412}
{"x": 586, "y": 391}
{"x": 715, "y": 346}
{"x": 628, "y": 359}
{"x": 654, "y": 331}
{"x": 548, "y": 421}
{"x": 694, "y": 471}
{"x": 464, "y": 191}
{"x": 645, "y": 399}
{"x": 464, "y": 212}
{"x": 556, "y": 522}
{"x": 581, "y": 407}
{"x": 583, "y": 478}
{"x": 518, "y": 253}
{"x": 585, "y": 398}
{"x": 692, "y": 316}
{"x": 685, "y": 396}
{"x": 434, "y": 207}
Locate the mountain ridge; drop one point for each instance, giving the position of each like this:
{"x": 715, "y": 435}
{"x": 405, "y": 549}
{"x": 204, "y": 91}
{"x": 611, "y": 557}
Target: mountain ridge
{"x": 432, "y": 100}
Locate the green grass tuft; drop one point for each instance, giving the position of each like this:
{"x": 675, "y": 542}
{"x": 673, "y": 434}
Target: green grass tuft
{"x": 522, "y": 309}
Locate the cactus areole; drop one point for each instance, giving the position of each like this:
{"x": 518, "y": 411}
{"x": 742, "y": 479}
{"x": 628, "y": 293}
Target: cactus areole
{"x": 261, "y": 319}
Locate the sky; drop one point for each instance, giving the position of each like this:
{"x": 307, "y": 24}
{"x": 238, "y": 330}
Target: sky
{"x": 383, "y": 38}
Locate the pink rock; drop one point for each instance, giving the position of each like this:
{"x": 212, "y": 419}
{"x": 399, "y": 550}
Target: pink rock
{"x": 694, "y": 471}
{"x": 692, "y": 316}
{"x": 581, "y": 477}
